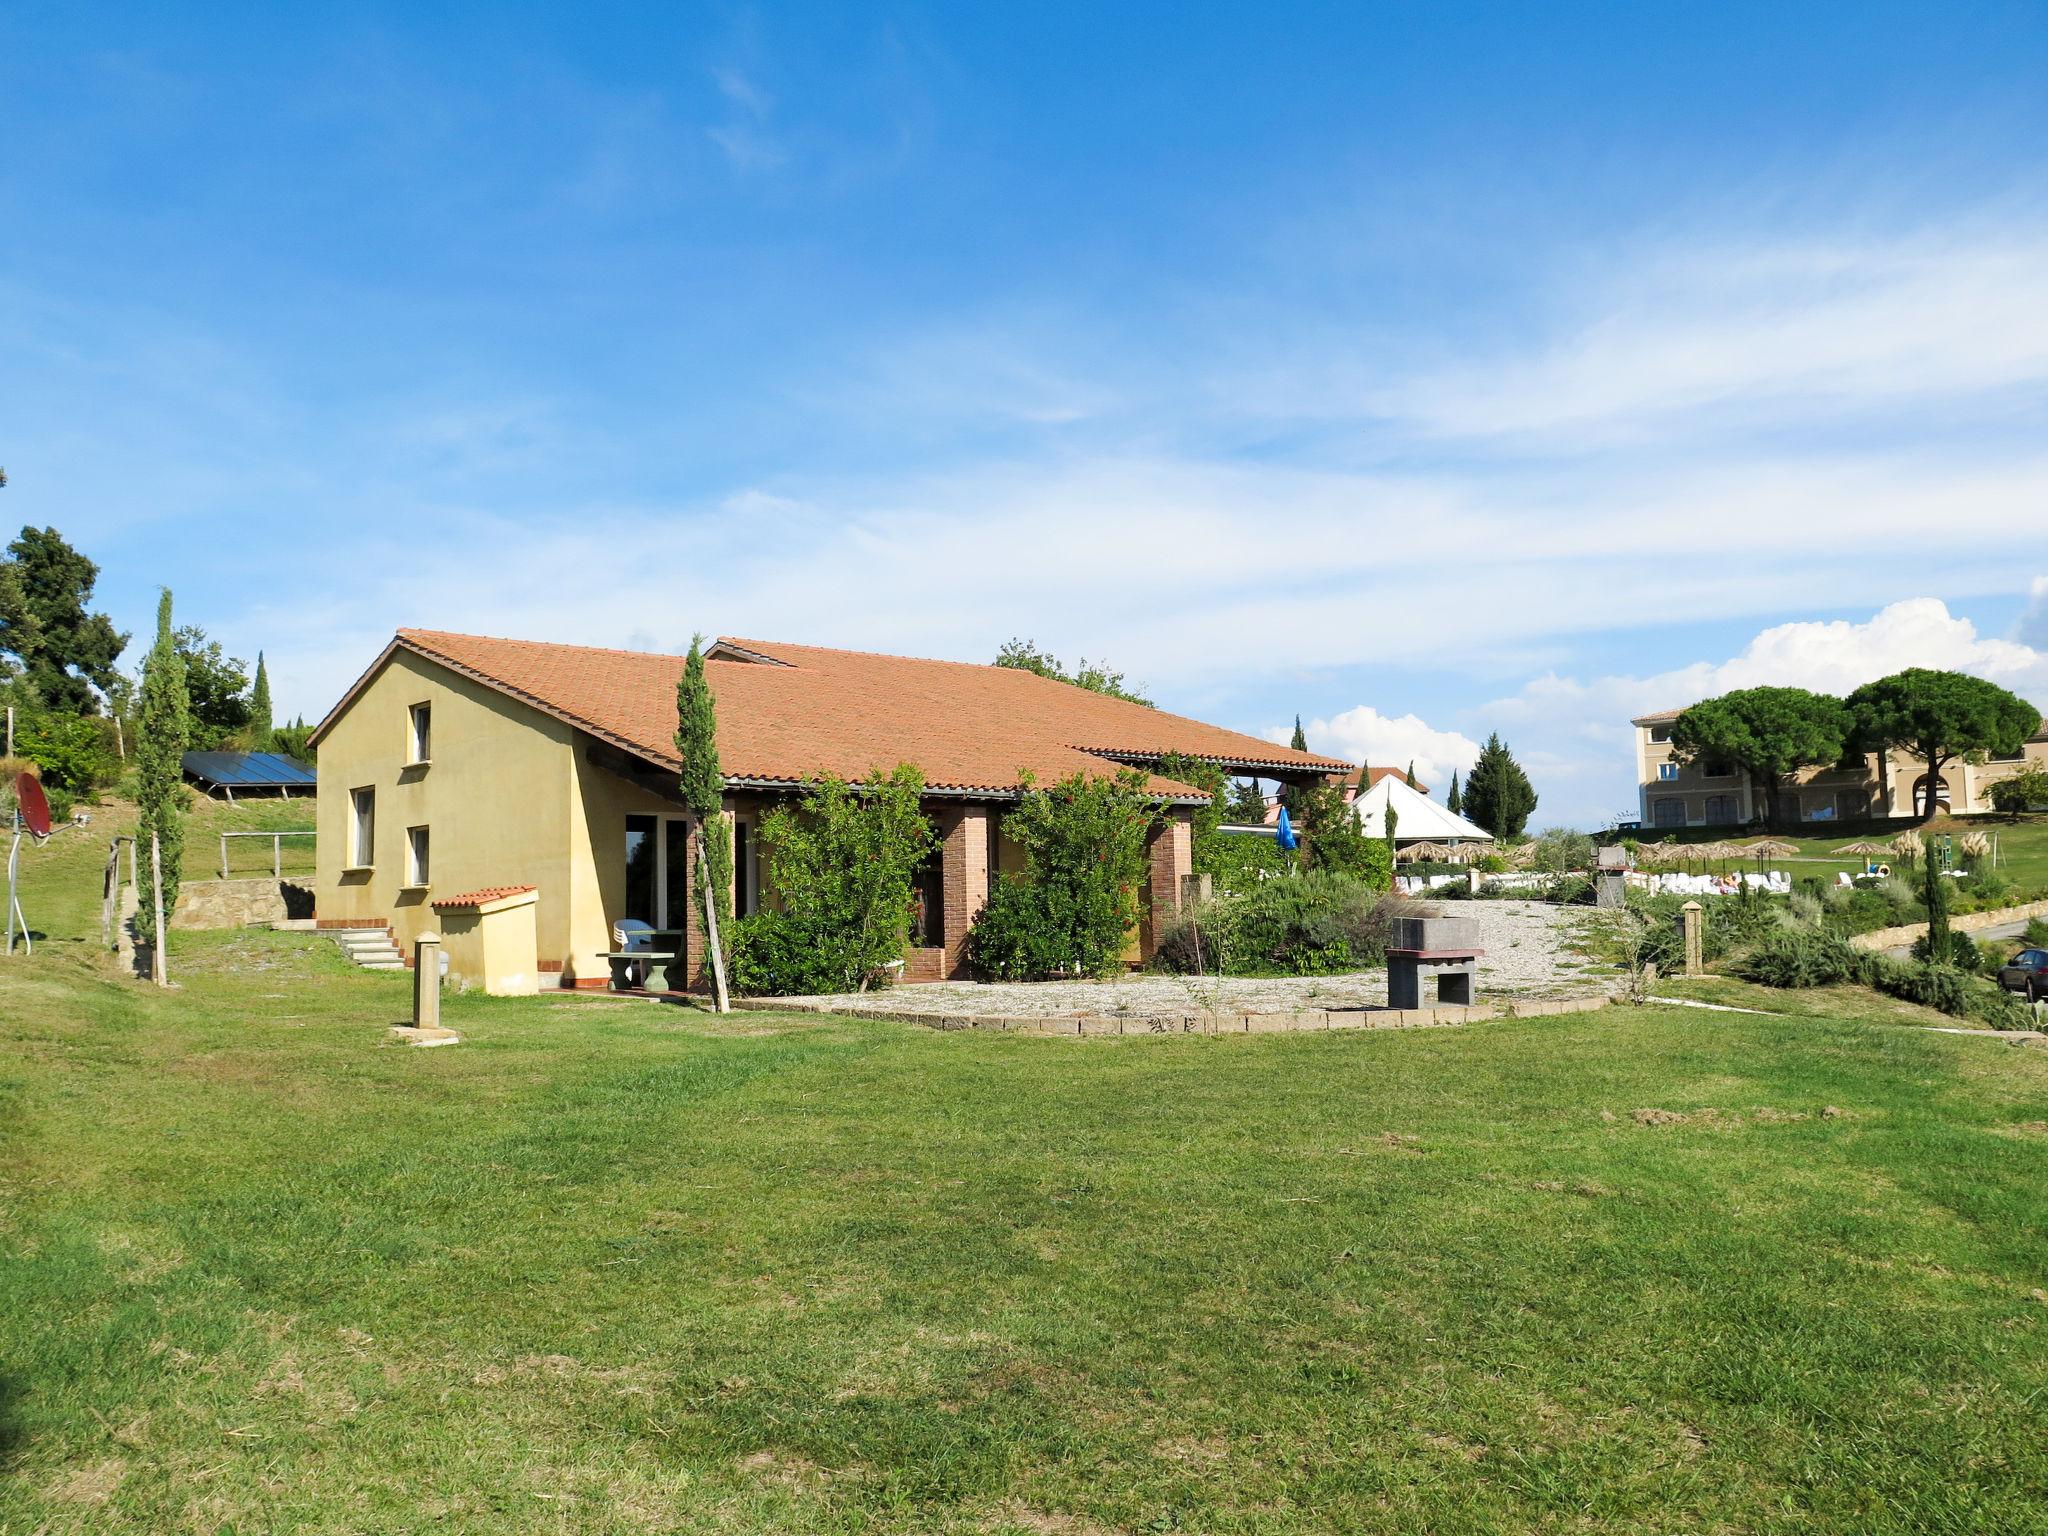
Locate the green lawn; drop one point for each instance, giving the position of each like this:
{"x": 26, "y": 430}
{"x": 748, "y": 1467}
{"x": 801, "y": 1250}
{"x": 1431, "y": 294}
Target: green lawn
{"x": 616, "y": 1267}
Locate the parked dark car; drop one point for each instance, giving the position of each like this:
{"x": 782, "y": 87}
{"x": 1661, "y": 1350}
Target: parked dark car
{"x": 2026, "y": 972}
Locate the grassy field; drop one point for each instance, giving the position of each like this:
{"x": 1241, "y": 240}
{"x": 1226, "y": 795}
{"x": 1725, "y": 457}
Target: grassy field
{"x": 620, "y": 1267}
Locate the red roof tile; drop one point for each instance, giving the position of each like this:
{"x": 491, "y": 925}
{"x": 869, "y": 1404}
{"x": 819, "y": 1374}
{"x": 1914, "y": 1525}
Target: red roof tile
{"x": 489, "y": 893}
{"x": 805, "y": 710}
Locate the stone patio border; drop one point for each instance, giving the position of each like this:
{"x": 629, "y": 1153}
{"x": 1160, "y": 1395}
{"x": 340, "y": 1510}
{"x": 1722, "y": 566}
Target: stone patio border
{"x": 1093, "y": 1025}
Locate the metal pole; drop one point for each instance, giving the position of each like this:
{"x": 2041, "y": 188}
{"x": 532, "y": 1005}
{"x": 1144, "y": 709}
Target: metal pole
{"x": 277, "y": 856}
{"x": 159, "y": 963}
{"x": 13, "y": 904}
{"x": 223, "y": 855}
{"x": 107, "y": 893}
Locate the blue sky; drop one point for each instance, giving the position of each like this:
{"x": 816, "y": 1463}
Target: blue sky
{"x": 1422, "y": 370}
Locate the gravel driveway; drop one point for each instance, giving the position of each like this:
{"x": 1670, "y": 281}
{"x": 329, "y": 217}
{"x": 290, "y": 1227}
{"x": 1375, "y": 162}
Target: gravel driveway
{"x": 1524, "y": 957}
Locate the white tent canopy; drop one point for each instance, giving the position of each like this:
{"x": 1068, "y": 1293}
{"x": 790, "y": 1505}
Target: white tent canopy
{"x": 1417, "y": 818}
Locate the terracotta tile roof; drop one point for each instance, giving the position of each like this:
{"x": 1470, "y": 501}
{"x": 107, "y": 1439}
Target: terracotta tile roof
{"x": 1352, "y": 779}
{"x": 489, "y": 893}
{"x": 802, "y": 710}
{"x": 1658, "y": 717}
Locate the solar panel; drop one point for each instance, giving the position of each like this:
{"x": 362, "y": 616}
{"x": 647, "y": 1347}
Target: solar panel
{"x": 249, "y": 770}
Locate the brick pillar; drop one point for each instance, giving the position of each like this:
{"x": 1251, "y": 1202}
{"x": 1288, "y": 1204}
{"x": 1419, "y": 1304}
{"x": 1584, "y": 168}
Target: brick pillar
{"x": 964, "y": 860}
{"x": 1169, "y": 860}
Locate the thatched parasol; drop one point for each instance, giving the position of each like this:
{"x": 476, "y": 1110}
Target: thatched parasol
{"x": 1864, "y": 849}
{"x": 1416, "y": 853}
{"x": 1768, "y": 848}
{"x": 1465, "y": 853}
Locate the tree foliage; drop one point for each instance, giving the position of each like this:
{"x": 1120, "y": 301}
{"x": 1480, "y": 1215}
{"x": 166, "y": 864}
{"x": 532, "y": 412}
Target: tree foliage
{"x": 702, "y": 783}
{"x": 1096, "y": 677}
{"x": 64, "y": 650}
{"x": 216, "y": 691}
{"x": 1335, "y": 843}
{"x": 1939, "y": 716}
{"x": 2021, "y": 791}
{"x": 1453, "y": 801}
{"x": 844, "y": 863}
{"x": 262, "y": 728}
{"x": 72, "y": 753}
{"x": 159, "y": 750}
{"x": 1246, "y": 806}
{"x": 1498, "y": 795}
{"x": 1766, "y": 732}
{"x": 1071, "y": 909}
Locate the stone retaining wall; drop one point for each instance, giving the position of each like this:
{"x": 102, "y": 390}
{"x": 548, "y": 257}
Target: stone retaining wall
{"x": 1078, "y": 1025}
{"x": 237, "y": 903}
{"x": 1967, "y": 922}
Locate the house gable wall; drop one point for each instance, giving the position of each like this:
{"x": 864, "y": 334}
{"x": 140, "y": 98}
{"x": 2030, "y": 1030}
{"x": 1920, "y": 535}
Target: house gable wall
{"x": 495, "y": 797}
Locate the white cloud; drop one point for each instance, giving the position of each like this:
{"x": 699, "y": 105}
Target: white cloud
{"x": 1364, "y": 735}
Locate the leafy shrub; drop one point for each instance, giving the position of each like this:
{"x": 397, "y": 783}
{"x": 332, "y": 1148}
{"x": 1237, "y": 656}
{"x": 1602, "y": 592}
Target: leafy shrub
{"x": 843, "y": 862}
{"x": 1960, "y": 951}
{"x": 1822, "y": 959}
{"x": 772, "y": 957}
{"x": 1312, "y": 924}
{"x": 1076, "y": 901}
{"x": 73, "y": 753}
{"x": 1800, "y": 960}
{"x": 2036, "y": 934}
{"x": 1238, "y": 861}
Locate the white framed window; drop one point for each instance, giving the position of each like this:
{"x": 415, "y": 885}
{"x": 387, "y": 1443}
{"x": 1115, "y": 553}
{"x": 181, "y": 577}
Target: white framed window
{"x": 419, "y": 735}
{"x": 362, "y": 848}
{"x": 1667, "y": 772}
{"x": 416, "y": 856}
{"x": 1660, "y": 733}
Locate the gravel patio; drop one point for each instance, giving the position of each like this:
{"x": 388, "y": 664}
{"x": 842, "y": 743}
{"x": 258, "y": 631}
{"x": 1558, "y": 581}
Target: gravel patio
{"x": 1525, "y": 956}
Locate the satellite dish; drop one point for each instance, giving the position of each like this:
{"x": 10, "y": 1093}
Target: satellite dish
{"x": 35, "y": 808}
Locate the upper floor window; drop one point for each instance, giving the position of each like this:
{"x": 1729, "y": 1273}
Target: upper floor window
{"x": 1667, "y": 771}
{"x": 1718, "y": 768}
{"x": 415, "y": 855}
{"x": 362, "y": 851}
{"x": 419, "y": 734}
{"x": 1660, "y": 733}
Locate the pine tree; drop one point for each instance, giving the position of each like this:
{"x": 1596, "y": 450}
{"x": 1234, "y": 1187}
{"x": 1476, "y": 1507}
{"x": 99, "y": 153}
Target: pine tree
{"x": 262, "y": 730}
{"x": 1498, "y": 794}
{"x": 160, "y": 774}
{"x": 703, "y": 788}
{"x": 1452, "y": 802}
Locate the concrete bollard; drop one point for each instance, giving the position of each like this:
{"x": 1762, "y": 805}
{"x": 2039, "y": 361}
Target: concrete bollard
{"x": 426, "y": 981}
{"x": 1690, "y": 917}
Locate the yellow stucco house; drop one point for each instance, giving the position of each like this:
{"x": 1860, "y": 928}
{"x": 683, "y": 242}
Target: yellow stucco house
{"x": 464, "y": 776}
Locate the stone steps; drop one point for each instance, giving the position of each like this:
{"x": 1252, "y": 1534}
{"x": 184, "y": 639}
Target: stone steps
{"x": 369, "y": 948}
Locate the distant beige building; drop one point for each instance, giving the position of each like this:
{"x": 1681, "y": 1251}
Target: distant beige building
{"x": 1713, "y": 794}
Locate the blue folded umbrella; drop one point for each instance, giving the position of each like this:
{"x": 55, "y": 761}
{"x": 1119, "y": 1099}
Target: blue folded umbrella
{"x": 1285, "y": 832}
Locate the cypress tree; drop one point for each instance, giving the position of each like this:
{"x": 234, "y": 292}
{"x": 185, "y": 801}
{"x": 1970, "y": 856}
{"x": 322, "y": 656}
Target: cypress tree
{"x": 1935, "y": 890}
{"x": 1411, "y": 768}
{"x": 1452, "y": 802}
{"x": 703, "y": 789}
{"x": 1293, "y": 799}
{"x": 262, "y": 730}
{"x": 159, "y": 753}
{"x": 1498, "y": 794}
